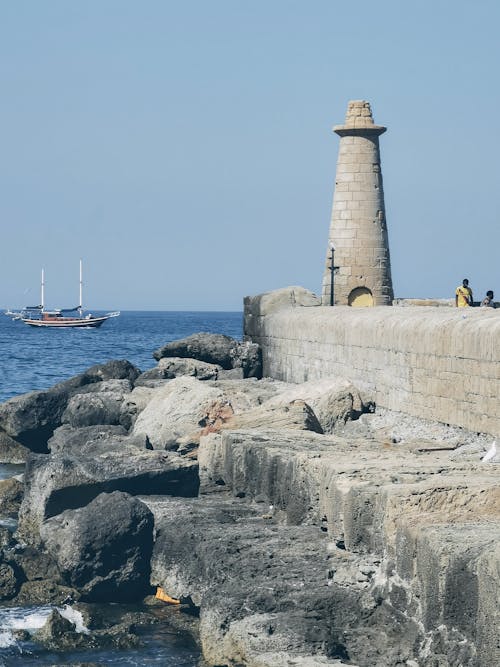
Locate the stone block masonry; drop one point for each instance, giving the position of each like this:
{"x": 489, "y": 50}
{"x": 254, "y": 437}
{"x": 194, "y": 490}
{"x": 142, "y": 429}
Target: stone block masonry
{"x": 434, "y": 363}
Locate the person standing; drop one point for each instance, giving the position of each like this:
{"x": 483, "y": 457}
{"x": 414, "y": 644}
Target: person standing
{"x": 463, "y": 295}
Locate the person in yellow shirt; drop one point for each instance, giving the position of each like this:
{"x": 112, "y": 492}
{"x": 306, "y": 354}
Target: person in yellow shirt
{"x": 463, "y": 295}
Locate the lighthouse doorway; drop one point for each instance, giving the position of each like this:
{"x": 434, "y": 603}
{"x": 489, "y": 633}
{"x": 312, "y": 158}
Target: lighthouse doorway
{"x": 360, "y": 297}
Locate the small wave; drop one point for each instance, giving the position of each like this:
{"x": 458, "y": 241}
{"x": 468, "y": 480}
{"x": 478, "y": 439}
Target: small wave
{"x": 75, "y": 617}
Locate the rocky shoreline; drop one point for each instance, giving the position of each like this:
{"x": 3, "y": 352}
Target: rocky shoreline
{"x": 296, "y": 524}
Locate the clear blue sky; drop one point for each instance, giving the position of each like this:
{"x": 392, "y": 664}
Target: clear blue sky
{"x": 184, "y": 149}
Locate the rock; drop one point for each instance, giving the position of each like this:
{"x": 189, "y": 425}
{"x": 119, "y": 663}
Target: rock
{"x": 44, "y": 591}
{"x": 294, "y": 415}
{"x": 177, "y": 409}
{"x": 133, "y": 404}
{"x": 11, "y": 494}
{"x": 32, "y": 418}
{"x": 333, "y": 401}
{"x": 62, "y": 633}
{"x": 185, "y": 408}
{"x": 216, "y": 349}
{"x": 249, "y": 393}
{"x": 93, "y": 409}
{"x": 280, "y": 600}
{"x": 66, "y": 438}
{"x": 6, "y": 539}
{"x": 172, "y": 367}
{"x": 248, "y": 357}
{"x": 8, "y": 582}
{"x": 103, "y": 549}
{"x": 56, "y": 483}
{"x": 11, "y": 451}
{"x": 34, "y": 564}
{"x": 96, "y": 440}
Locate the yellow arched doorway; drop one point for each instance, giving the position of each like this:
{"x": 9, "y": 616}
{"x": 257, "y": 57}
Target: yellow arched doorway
{"x": 360, "y": 297}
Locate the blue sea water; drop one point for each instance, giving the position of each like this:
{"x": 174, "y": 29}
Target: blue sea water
{"x": 32, "y": 358}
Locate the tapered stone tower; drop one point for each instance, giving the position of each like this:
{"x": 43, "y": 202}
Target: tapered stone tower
{"x": 358, "y": 229}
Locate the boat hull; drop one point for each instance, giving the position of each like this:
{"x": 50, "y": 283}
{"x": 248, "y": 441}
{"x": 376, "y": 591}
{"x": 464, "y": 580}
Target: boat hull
{"x": 67, "y": 323}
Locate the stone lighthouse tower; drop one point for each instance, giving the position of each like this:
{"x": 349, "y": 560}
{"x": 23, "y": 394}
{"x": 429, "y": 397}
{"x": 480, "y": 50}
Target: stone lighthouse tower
{"x": 358, "y": 229}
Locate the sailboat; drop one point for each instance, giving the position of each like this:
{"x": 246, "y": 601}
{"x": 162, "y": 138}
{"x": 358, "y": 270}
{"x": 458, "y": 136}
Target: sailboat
{"x": 60, "y": 318}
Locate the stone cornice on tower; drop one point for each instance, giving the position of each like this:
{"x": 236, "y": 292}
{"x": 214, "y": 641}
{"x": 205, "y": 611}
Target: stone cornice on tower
{"x": 359, "y": 121}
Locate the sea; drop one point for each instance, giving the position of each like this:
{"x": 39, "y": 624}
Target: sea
{"x": 33, "y": 358}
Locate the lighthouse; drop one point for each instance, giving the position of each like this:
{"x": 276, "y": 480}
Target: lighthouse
{"x": 358, "y": 269}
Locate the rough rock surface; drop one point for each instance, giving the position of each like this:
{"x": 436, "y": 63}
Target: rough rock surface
{"x": 294, "y": 415}
{"x": 186, "y": 409}
{"x": 172, "y": 367}
{"x": 56, "y": 483}
{"x": 93, "y": 408}
{"x": 133, "y": 404}
{"x": 11, "y": 494}
{"x": 32, "y": 418}
{"x": 66, "y": 438}
{"x": 103, "y": 549}
{"x": 333, "y": 401}
{"x": 177, "y": 409}
{"x": 12, "y": 451}
{"x": 8, "y": 582}
{"x": 216, "y": 349}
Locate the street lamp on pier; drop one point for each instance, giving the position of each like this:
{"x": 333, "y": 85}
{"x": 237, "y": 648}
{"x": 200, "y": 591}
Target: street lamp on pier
{"x": 332, "y": 273}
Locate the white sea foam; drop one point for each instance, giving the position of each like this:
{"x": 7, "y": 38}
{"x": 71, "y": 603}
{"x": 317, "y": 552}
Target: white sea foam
{"x": 74, "y": 616}
{"x": 21, "y": 618}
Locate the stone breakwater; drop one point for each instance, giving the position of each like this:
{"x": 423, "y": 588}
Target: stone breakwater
{"x": 436, "y": 363}
{"x": 302, "y": 523}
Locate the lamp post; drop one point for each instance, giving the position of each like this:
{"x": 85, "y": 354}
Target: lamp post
{"x": 332, "y": 273}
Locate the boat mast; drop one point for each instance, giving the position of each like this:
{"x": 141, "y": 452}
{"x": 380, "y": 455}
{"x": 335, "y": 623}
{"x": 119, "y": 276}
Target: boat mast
{"x": 80, "y": 307}
{"x": 42, "y": 291}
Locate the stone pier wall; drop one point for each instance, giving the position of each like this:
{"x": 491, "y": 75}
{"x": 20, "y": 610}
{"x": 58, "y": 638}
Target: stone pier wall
{"x": 435, "y": 363}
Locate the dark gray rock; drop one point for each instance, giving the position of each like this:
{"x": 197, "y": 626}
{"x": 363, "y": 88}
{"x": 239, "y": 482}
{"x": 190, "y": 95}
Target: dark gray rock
{"x": 267, "y": 587}
{"x": 11, "y": 494}
{"x": 171, "y": 367}
{"x": 93, "y": 409}
{"x": 67, "y": 439}
{"x": 12, "y": 451}
{"x": 32, "y": 418}
{"x": 54, "y": 483}
{"x": 8, "y": 582}
{"x": 43, "y": 591}
{"x": 216, "y": 349}
{"x": 103, "y": 549}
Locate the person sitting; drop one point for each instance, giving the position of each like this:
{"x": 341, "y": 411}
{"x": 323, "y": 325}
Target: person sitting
{"x": 488, "y": 302}
{"x": 463, "y": 295}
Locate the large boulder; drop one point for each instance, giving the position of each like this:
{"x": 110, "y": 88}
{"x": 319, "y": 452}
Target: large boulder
{"x": 176, "y": 410}
{"x": 294, "y": 415}
{"x": 333, "y": 401}
{"x": 171, "y": 367}
{"x": 216, "y": 349}
{"x": 185, "y": 408}
{"x": 133, "y": 404}
{"x": 12, "y": 451}
{"x": 93, "y": 408}
{"x": 11, "y": 494}
{"x": 93, "y": 440}
{"x": 54, "y": 483}
{"x": 31, "y": 418}
{"x": 104, "y": 549}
